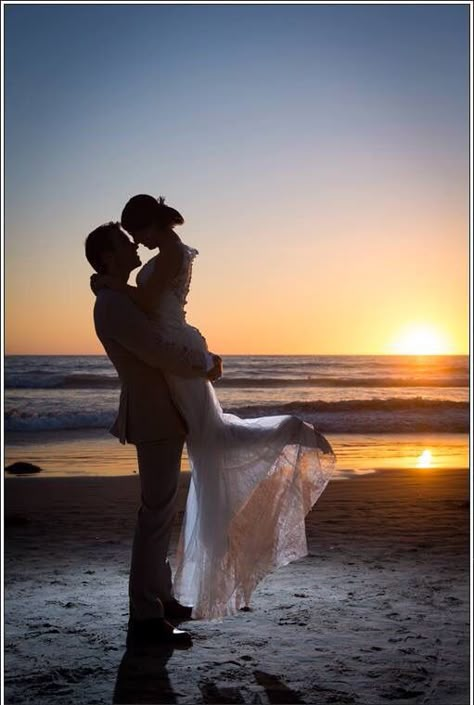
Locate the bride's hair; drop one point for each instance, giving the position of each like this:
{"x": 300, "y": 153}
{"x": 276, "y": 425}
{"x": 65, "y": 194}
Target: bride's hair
{"x": 142, "y": 211}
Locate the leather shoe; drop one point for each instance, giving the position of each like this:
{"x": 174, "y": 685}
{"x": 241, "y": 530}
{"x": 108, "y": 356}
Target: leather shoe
{"x": 156, "y": 631}
{"x": 174, "y": 610}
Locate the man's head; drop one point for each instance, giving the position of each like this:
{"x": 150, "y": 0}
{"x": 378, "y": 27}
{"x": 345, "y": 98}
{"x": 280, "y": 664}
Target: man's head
{"x": 149, "y": 220}
{"x": 110, "y": 251}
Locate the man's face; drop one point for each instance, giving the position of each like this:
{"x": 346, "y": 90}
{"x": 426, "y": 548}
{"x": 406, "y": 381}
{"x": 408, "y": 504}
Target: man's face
{"x": 125, "y": 252}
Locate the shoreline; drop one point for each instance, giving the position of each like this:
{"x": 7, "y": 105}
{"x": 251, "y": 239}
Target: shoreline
{"x": 97, "y": 453}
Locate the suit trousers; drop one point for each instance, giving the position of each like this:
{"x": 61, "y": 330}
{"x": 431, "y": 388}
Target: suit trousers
{"x": 150, "y": 584}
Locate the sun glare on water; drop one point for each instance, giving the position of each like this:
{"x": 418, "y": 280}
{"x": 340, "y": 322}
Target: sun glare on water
{"x": 420, "y": 340}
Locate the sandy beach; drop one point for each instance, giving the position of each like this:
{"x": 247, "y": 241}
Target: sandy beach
{"x": 378, "y": 611}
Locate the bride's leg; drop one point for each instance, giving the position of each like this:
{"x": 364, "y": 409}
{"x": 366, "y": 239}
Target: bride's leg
{"x": 198, "y": 404}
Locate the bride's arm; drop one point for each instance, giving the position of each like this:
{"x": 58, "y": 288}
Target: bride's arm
{"x": 165, "y": 267}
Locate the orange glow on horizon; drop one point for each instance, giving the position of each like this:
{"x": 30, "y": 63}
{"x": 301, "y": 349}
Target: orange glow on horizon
{"x": 268, "y": 303}
{"x": 421, "y": 340}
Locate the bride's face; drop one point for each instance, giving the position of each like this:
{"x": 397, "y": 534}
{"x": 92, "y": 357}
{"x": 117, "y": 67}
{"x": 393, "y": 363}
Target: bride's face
{"x": 146, "y": 236}
{"x": 152, "y": 236}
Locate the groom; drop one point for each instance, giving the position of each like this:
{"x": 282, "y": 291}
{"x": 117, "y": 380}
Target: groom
{"x": 148, "y": 419}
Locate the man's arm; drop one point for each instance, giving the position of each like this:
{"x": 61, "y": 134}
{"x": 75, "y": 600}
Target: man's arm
{"x": 122, "y": 321}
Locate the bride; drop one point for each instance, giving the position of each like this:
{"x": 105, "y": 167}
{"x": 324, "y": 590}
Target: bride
{"x": 252, "y": 480}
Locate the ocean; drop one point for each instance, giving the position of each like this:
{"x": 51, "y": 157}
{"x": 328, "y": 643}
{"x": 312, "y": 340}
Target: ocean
{"x": 377, "y": 411}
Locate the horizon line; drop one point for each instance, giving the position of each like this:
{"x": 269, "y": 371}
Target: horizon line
{"x": 375, "y": 354}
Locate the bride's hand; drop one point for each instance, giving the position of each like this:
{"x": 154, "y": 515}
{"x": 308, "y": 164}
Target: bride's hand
{"x": 101, "y": 281}
{"x": 216, "y": 372}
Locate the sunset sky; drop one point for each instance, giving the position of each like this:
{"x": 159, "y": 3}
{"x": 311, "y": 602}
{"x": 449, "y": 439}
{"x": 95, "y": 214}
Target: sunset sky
{"x": 319, "y": 154}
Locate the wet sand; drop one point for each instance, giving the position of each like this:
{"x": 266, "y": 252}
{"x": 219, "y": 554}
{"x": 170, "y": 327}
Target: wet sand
{"x": 378, "y": 612}
{"x": 94, "y": 452}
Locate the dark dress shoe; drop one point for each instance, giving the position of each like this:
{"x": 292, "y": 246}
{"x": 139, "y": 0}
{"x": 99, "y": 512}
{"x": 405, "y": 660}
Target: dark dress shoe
{"x": 156, "y": 631}
{"x": 174, "y": 610}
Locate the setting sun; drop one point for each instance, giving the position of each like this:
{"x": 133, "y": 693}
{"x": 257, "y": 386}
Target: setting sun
{"x": 425, "y": 460}
{"x": 420, "y": 340}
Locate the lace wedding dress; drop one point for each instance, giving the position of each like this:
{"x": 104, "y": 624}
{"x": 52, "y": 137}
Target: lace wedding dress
{"x": 252, "y": 480}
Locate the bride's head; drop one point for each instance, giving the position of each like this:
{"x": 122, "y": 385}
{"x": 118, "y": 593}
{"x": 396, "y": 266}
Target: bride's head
{"x": 150, "y": 221}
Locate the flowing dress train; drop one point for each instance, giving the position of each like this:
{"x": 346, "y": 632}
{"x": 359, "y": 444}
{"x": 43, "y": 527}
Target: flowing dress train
{"x": 252, "y": 480}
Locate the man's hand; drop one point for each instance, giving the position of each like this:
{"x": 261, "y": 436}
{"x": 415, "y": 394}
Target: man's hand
{"x": 93, "y": 284}
{"x": 215, "y": 372}
{"x": 99, "y": 281}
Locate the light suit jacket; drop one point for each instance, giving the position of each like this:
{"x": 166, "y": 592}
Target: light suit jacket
{"x": 146, "y": 411}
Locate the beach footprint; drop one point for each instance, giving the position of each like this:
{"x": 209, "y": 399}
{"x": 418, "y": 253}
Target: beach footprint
{"x": 277, "y": 692}
{"x": 212, "y": 694}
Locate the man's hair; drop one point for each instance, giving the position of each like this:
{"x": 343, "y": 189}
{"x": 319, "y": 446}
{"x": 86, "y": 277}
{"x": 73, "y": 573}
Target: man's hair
{"x": 142, "y": 211}
{"x": 98, "y": 242}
